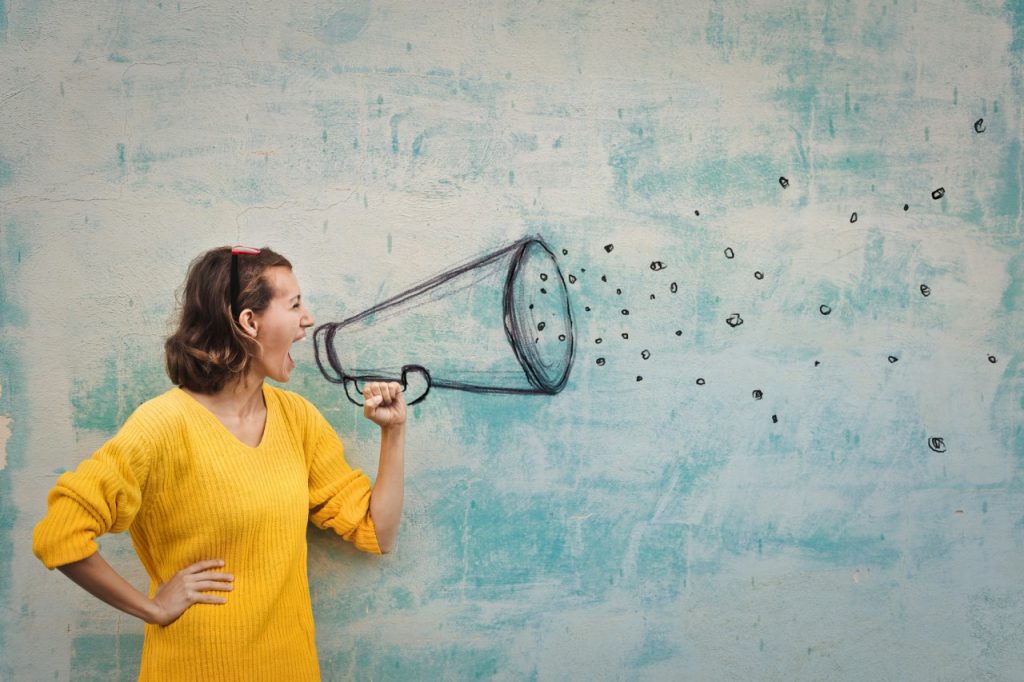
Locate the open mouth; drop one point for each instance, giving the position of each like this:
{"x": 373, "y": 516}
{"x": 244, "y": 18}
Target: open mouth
{"x": 291, "y": 360}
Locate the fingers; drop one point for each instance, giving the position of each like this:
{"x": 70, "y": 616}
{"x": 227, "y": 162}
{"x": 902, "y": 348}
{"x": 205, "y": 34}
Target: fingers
{"x": 387, "y": 391}
{"x": 218, "y": 585}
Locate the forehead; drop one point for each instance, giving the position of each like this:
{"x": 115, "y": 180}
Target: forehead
{"x": 282, "y": 281}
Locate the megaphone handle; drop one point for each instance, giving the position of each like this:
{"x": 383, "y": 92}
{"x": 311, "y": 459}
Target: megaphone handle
{"x": 357, "y": 400}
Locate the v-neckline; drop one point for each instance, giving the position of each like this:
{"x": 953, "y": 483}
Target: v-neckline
{"x": 224, "y": 430}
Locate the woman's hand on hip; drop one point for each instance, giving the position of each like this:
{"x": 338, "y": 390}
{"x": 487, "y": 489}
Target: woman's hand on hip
{"x": 186, "y": 588}
{"x": 384, "y": 403}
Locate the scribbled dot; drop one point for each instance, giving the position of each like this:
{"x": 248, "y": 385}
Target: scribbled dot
{"x": 598, "y": 340}
{"x": 784, "y": 181}
{"x": 625, "y": 335}
{"x": 992, "y": 359}
{"x": 540, "y": 327}
{"x": 979, "y": 125}
{"x": 758, "y": 275}
{"x": 587, "y": 308}
{"x": 604, "y": 278}
{"x": 645, "y": 354}
{"x": 775, "y": 419}
{"x": 696, "y": 213}
{"x": 652, "y": 297}
{"x": 853, "y": 217}
{"x": 937, "y": 444}
{"x": 565, "y": 252}
{"x": 619, "y": 292}
{"x": 583, "y": 269}
{"x": 572, "y": 279}
{"x": 639, "y": 378}
{"x": 939, "y": 193}
{"x": 625, "y": 311}
{"x": 926, "y": 290}
{"x": 824, "y": 309}
{"x": 679, "y": 332}
{"x": 734, "y": 320}
{"x": 673, "y": 287}
{"x": 543, "y": 291}
{"x": 657, "y": 265}
{"x": 729, "y": 253}
{"x": 906, "y": 207}
{"x": 561, "y": 337}
{"x": 531, "y": 306}
{"x": 892, "y": 359}
{"x": 600, "y": 362}
{"x": 757, "y": 394}
{"x": 817, "y": 362}
{"x": 609, "y": 247}
{"x": 543, "y": 276}
{"x": 700, "y": 381}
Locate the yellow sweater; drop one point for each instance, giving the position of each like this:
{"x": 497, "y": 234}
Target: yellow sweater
{"x": 187, "y": 490}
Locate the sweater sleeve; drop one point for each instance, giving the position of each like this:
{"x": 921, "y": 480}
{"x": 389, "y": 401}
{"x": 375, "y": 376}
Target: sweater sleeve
{"x": 102, "y": 495}
{"x": 339, "y": 497}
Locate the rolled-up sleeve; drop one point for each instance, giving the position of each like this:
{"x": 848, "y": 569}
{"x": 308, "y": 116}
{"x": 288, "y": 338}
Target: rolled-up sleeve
{"x": 339, "y": 497}
{"x": 103, "y": 494}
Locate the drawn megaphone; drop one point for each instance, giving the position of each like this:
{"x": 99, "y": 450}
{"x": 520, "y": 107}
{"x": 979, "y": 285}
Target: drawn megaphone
{"x": 499, "y": 324}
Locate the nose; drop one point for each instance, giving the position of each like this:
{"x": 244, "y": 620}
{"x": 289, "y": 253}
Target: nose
{"x": 307, "y": 318}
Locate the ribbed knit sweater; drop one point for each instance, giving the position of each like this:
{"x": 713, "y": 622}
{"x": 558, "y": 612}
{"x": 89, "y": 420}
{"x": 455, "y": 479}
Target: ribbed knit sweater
{"x": 188, "y": 490}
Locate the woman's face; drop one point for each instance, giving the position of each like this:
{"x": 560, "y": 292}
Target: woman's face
{"x": 279, "y": 326}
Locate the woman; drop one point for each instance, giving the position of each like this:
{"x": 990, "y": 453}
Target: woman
{"x": 216, "y": 480}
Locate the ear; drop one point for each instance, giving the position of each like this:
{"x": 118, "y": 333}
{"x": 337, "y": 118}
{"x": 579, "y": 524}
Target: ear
{"x": 247, "y": 321}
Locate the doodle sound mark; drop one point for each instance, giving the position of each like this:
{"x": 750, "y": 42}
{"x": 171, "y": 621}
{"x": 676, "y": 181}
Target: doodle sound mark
{"x": 853, "y": 217}
{"x": 493, "y": 351}
{"x": 937, "y": 444}
{"x": 926, "y": 290}
{"x": 729, "y": 253}
{"x": 992, "y": 359}
{"x": 824, "y": 309}
{"x": 734, "y": 320}
{"x": 757, "y": 394}
{"x": 979, "y": 125}
{"x": 784, "y": 181}
{"x": 939, "y": 193}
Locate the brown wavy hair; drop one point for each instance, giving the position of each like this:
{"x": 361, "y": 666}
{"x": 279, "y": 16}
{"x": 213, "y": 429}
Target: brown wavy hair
{"x": 209, "y": 349}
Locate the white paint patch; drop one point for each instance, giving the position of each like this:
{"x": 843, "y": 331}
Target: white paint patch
{"x": 5, "y": 433}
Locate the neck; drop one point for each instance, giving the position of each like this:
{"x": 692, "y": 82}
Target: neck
{"x": 240, "y": 398}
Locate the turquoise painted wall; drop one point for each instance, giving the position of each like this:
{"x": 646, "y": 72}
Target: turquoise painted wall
{"x": 800, "y": 496}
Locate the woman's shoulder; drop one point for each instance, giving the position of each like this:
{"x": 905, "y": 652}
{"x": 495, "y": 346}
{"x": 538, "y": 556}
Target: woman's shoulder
{"x": 161, "y": 413}
{"x": 291, "y": 402}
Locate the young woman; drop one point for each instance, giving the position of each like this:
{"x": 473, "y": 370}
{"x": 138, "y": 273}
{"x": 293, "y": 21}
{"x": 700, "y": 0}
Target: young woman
{"x": 216, "y": 481}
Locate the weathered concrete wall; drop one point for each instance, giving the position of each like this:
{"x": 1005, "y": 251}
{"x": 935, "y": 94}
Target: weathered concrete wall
{"x": 858, "y": 517}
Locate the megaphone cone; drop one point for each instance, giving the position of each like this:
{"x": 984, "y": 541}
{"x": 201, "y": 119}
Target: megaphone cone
{"x": 499, "y": 324}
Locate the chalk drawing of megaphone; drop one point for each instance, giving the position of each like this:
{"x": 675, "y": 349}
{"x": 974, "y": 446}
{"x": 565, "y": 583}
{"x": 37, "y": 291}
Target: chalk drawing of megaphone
{"x": 499, "y": 324}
